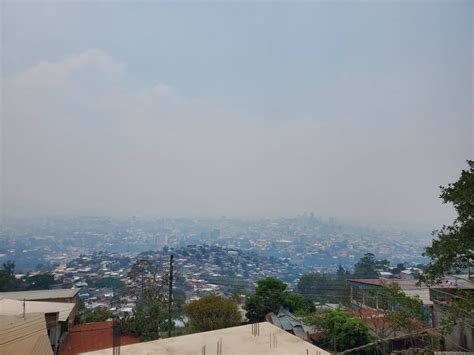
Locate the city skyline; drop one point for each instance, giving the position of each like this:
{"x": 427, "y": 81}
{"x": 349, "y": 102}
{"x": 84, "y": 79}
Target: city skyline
{"x": 356, "y": 111}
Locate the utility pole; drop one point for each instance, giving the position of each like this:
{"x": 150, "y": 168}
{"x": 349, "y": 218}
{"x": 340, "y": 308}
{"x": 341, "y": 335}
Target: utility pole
{"x": 142, "y": 269}
{"x": 170, "y": 297}
{"x": 116, "y": 329}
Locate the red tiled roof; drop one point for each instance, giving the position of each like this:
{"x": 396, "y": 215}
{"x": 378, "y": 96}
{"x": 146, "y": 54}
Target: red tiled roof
{"x": 92, "y": 336}
{"x": 368, "y": 313}
{"x": 377, "y": 319}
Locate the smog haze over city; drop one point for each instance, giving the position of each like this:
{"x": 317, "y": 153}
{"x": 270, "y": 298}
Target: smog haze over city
{"x": 252, "y": 177}
{"x": 352, "y": 110}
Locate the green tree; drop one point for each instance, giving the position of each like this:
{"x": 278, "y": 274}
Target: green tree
{"x": 98, "y": 314}
{"x": 212, "y": 312}
{"x": 342, "y": 273}
{"x": 269, "y": 297}
{"x": 395, "y": 313}
{"x": 298, "y": 304}
{"x": 147, "y": 321}
{"x": 150, "y": 316}
{"x": 39, "y": 282}
{"x": 453, "y": 249}
{"x": 366, "y": 267}
{"x": 342, "y": 331}
{"x": 7, "y": 278}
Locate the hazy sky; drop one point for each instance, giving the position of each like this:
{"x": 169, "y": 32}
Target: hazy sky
{"x": 357, "y": 110}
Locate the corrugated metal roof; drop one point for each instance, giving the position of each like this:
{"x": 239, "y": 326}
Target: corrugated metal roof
{"x": 285, "y": 324}
{"x": 295, "y": 323}
{"x": 287, "y": 321}
{"x": 285, "y": 312}
{"x": 40, "y": 294}
{"x": 24, "y": 336}
{"x": 275, "y": 320}
{"x": 15, "y": 308}
{"x": 299, "y": 332}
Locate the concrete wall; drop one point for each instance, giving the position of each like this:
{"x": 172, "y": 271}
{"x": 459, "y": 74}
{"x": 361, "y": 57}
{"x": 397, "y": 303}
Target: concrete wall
{"x": 461, "y": 337}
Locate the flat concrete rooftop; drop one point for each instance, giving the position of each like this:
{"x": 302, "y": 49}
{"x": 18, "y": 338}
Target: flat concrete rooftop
{"x": 235, "y": 341}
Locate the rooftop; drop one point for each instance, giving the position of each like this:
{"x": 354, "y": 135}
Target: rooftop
{"x": 40, "y": 294}
{"x": 15, "y": 308}
{"x": 235, "y": 341}
{"x": 422, "y": 293}
{"x": 287, "y": 321}
{"x": 27, "y": 335}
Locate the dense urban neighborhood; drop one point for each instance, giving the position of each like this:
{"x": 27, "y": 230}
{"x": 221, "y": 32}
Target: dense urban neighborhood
{"x": 315, "y": 244}
{"x": 152, "y": 299}
{"x": 236, "y": 177}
